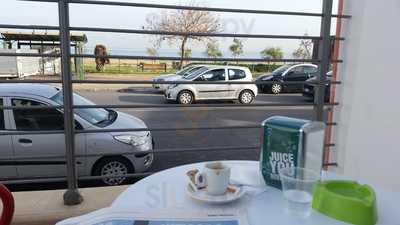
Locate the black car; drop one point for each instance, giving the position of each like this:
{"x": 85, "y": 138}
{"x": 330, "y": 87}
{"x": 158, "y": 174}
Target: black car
{"x": 289, "y": 72}
{"x": 309, "y": 88}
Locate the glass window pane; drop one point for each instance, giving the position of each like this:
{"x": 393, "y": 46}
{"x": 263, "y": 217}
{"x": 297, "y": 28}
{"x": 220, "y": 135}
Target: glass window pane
{"x": 215, "y": 75}
{"x": 310, "y": 69}
{"x": 235, "y": 74}
{"x": 36, "y": 119}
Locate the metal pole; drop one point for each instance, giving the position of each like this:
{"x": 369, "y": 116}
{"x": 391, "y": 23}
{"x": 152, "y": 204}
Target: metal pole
{"x": 72, "y": 195}
{"x": 324, "y": 56}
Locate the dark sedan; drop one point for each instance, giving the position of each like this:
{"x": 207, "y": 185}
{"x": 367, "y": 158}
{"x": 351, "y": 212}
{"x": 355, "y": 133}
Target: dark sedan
{"x": 309, "y": 88}
{"x": 285, "y": 73}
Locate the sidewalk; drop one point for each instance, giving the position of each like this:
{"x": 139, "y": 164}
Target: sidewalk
{"x": 47, "y": 208}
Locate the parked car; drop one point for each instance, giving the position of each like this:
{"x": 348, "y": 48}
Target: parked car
{"x": 176, "y": 76}
{"x": 188, "y": 93}
{"x": 289, "y": 72}
{"x": 309, "y": 88}
{"x": 114, "y": 146}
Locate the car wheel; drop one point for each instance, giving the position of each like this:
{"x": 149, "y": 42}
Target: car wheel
{"x": 185, "y": 97}
{"x": 246, "y": 97}
{"x": 115, "y": 167}
{"x": 276, "y": 88}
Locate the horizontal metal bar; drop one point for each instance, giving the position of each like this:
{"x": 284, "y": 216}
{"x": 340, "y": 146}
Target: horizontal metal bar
{"x": 64, "y": 179}
{"x": 165, "y": 106}
{"x": 29, "y": 27}
{"x": 12, "y": 132}
{"x": 169, "y": 58}
{"x": 22, "y": 160}
{"x": 331, "y": 164}
{"x": 15, "y": 159}
{"x": 132, "y": 175}
{"x": 35, "y": 132}
{"x": 54, "y": 81}
{"x": 33, "y": 180}
{"x": 161, "y": 32}
{"x": 194, "y": 82}
{"x": 191, "y": 58}
{"x": 224, "y": 105}
{"x": 211, "y": 9}
{"x": 33, "y": 107}
{"x": 29, "y": 163}
{"x": 167, "y": 129}
{"x": 15, "y": 132}
{"x": 30, "y": 81}
{"x": 51, "y": 55}
{"x": 331, "y": 124}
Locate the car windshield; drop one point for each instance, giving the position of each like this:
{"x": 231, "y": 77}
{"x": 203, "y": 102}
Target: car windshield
{"x": 184, "y": 70}
{"x": 97, "y": 116}
{"x": 196, "y": 73}
{"x": 192, "y": 70}
{"x": 280, "y": 70}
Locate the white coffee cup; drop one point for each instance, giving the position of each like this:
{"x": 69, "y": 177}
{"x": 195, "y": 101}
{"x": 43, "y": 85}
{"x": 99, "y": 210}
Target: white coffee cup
{"x": 215, "y": 176}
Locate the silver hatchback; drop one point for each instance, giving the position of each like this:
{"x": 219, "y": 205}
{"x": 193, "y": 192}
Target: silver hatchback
{"x": 215, "y": 85}
{"x": 118, "y": 153}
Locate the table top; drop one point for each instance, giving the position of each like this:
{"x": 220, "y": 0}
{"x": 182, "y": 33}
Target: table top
{"x": 166, "y": 190}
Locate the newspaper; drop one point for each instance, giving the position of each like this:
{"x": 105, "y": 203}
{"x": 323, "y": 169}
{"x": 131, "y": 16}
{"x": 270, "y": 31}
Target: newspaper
{"x": 109, "y": 216}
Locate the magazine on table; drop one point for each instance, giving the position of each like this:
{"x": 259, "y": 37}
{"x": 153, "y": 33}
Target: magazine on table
{"x": 108, "y": 216}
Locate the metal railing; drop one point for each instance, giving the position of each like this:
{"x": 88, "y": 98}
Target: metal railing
{"x": 72, "y": 195}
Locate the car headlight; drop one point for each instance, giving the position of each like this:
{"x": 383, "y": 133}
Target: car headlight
{"x": 130, "y": 139}
{"x": 173, "y": 86}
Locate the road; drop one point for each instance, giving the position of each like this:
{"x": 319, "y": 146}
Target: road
{"x": 201, "y": 117}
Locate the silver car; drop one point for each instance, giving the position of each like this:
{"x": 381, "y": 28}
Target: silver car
{"x": 112, "y": 145}
{"x": 188, "y": 93}
{"x": 176, "y": 76}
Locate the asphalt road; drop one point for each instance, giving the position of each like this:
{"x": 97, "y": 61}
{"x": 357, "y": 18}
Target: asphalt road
{"x": 192, "y": 118}
{"x": 201, "y": 117}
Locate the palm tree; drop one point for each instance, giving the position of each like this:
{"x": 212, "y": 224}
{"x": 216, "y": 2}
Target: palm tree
{"x": 272, "y": 53}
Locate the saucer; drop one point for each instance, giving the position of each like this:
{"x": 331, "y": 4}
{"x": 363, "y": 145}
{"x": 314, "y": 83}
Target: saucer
{"x": 203, "y": 196}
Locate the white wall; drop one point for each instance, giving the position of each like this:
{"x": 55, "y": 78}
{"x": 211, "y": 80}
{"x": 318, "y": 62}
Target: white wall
{"x": 368, "y": 134}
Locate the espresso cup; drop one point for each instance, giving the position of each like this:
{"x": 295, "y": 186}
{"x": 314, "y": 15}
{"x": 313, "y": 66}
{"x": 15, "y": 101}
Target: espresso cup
{"x": 215, "y": 176}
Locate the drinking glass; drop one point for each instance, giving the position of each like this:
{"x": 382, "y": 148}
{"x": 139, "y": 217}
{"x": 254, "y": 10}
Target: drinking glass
{"x": 297, "y": 187}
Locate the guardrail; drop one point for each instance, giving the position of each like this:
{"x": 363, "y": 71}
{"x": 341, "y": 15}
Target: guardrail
{"x": 72, "y": 195}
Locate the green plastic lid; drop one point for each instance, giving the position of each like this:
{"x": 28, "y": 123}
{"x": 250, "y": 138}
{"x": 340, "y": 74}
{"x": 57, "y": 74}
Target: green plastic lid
{"x": 347, "y": 201}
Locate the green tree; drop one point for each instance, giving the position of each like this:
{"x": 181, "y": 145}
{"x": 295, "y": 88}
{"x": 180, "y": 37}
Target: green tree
{"x": 187, "y": 53}
{"x": 151, "y": 51}
{"x": 183, "y": 21}
{"x": 212, "y": 50}
{"x": 272, "y": 53}
{"x": 236, "y": 47}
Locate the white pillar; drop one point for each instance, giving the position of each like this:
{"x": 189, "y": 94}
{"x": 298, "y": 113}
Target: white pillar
{"x": 368, "y": 131}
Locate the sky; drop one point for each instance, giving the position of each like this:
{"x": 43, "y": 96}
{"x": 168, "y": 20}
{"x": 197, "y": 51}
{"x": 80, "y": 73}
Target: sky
{"x": 20, "y": 12}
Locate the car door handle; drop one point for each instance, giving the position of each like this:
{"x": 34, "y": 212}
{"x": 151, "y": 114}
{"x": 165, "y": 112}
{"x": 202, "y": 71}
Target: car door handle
{"x": 25, "y": 142}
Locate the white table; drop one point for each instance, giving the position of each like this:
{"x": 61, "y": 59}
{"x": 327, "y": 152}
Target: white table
{"x": 166, "y": 190}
